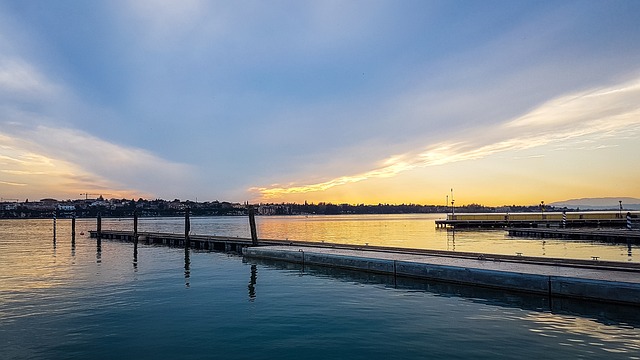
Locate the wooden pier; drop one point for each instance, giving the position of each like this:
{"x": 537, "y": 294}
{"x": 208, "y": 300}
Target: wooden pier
{"x": 204, "y": 242}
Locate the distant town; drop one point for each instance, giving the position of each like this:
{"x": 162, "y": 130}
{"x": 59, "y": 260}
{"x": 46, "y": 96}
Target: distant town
{"x": 46, "y": 208}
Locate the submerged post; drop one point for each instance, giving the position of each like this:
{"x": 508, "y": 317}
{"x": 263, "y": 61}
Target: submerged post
{"x": 252, "y": 225}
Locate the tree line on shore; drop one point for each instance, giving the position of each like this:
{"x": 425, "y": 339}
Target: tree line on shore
{"x": 47, "y": 208}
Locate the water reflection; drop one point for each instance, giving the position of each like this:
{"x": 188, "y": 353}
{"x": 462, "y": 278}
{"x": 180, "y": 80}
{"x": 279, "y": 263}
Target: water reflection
{"x": 606, "y": 314}
{"x": 409, "y": 231}
{"x": 252, "y": 282}
{"x": 135, "y": 256}
{"x": 98, "y": 250}
{"x": 187, "y": 267}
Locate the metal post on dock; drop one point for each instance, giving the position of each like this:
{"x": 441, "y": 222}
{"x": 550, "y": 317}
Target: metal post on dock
{"x": 564, "y": 219}
{"x": 628, "y": 220}
{"x": 252, "y": 225}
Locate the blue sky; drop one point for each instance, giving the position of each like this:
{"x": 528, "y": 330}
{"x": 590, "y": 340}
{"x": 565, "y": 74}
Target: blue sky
{"x": 340, "y": 101}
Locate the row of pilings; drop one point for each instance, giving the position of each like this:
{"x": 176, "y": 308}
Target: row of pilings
{"x": 187, "y": 228}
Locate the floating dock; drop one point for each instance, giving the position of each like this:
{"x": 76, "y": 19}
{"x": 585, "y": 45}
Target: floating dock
{"x": 612, "y": 282}
{"x": 540, "y": 219}
{"x": 605, "y": 281}
{"x": 607, "y": 235}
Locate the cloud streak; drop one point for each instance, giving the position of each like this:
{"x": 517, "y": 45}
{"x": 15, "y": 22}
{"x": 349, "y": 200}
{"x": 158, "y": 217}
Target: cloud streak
{"x": 593, "y": 114}
{"x": 61, "y": 159}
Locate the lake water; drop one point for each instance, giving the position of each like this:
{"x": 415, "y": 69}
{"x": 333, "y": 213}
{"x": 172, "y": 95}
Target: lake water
{"x": 68, "y": 299}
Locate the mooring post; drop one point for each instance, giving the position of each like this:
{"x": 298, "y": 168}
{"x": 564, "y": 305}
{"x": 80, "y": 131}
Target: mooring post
{"x": 54, "y": 226}
{"x": 99, "y": 225}
{"x": 187, "y": 229}
{"x": 564, "y": 219}
{"x": 135, "y": 237}
{"x": 73, "y": 231}
{"x": 99, "y": 232}
{"x": 628, "y": 220}
{"x": 252, "y": 225}
{"x": 135, "y": 227}
{"x": 73, "y": 227}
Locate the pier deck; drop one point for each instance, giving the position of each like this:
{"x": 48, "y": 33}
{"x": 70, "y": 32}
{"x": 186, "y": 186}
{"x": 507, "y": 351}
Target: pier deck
{"x": 609, "y": 235}
{"x": 613, "y": 282}
{"x": 540, "y": 220}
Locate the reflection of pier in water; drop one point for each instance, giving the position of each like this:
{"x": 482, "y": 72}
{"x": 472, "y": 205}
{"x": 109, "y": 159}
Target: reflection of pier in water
{"x": 595, "y": 280}
{"x": 604, "y": 313}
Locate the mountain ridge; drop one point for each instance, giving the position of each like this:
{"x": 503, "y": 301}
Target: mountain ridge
{"x": 600, "y": 203}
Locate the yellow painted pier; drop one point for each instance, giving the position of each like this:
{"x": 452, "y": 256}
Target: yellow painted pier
{"x": 540, "y": 219}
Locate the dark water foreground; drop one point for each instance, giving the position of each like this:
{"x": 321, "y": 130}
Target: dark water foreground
{"x": 74, "y": 300}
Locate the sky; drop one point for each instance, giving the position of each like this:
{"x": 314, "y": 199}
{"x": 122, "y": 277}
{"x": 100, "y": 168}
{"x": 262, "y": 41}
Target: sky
{"x": 491, "y": 102}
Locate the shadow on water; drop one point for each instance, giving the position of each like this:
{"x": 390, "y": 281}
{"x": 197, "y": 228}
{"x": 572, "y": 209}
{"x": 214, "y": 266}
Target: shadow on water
{"x": 604, "y": 313}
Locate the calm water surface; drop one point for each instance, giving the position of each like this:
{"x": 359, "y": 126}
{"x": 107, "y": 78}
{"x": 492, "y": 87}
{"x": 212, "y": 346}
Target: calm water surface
{"x": 68, "y": 299}
{"x": 409, "y": 231}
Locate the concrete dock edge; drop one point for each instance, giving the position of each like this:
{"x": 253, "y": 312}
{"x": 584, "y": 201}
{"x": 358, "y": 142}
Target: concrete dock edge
{"x": 543, "y": 284}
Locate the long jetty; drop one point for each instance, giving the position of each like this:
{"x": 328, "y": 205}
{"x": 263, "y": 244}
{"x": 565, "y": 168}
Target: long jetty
{"x": 540, "y": 220}
{"x": 604, "y": 281}
{"x": 605, "y": 234}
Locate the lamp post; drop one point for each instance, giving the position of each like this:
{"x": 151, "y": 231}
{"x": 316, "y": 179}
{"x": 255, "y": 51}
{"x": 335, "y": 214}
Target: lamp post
{"x": 446, "y": 203}
{"x": 542, "y": 209}
{"x": 453, "y": 208}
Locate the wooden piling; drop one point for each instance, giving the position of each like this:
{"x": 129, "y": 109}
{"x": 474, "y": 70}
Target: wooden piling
{"x": 99, "y": 234}
{"x": 135, "y": 227}
{"x": 99, "y": 225}
{"x": 187, "y": 229}
{"x": 252, "y": 225}
{"x": 54, "y": 227}
{"x": 135, "y": 237}
{"x": 73, "y": 227}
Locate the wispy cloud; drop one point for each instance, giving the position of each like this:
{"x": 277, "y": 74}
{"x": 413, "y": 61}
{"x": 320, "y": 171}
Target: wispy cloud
{"x": 12, "y": 183}
{"x": 65, "y": 160}
{"x": 593, "y": 114}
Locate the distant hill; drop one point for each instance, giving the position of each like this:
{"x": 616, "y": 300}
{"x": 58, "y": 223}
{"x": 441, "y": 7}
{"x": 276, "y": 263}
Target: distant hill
{"x": 603, "y": 203}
